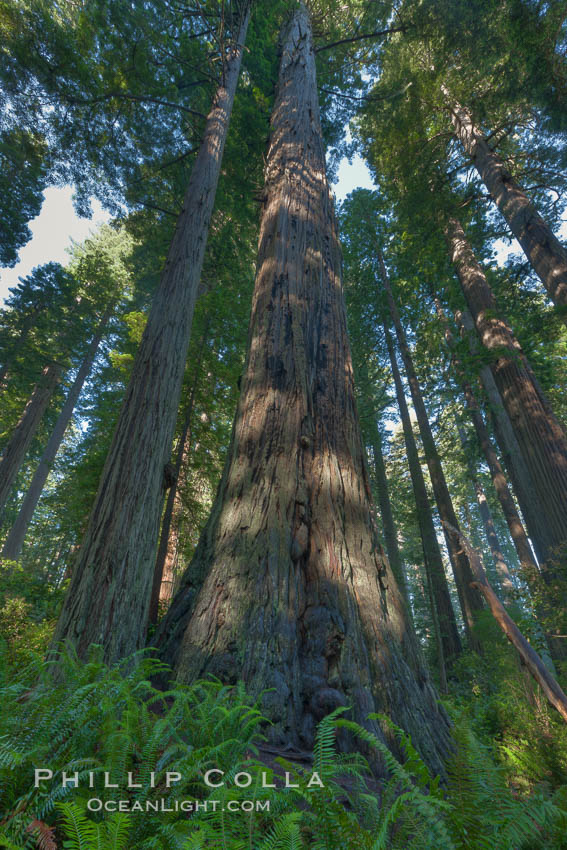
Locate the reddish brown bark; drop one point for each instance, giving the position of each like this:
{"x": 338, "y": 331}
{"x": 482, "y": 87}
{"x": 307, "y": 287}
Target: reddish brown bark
{"x": 289, "y": 588}
{"x": 110, "y": 591}
{"x": 162, "y": 586}
{"x": 541, "y": 439}
{"x": 546, "y": 254}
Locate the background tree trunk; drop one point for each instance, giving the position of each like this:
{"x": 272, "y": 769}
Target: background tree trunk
{"x": 162, "y": 585}
{"x": 541, "y": 439}
{"x": 500, "y": 563}
{"x": 506, "y": 439}
{"x": 289, "y": 588}
{"x": 546, "y": 255}
{"x": 442, "y": 607}
{"x": 15, "y": 539}
{"x": 25, "y": 431}
{"x": 110, "y": 591}
{"x": 518, "y": 534}
{"x": 470, "y": 600}
{"x": 385, "y": 508}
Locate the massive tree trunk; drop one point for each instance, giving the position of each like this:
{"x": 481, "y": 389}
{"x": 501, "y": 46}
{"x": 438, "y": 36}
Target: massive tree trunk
{"x": 289, "y": 588}
{"x": 470, "y": 600}
{"x": 542, "y": 440}
{"x": 109, "y": 596}
{"x": 444, "y": 622}
{"x": 25, "y": 431}
{"x": 546, "y": 254}
{"x": 15, "y": 539}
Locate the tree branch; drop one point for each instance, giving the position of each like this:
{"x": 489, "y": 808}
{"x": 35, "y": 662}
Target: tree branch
{"x": 361, "y": 38}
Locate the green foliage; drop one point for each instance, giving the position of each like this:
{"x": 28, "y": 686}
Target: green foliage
{"x": 91, "y": 719}
{"x": 22, "y": 181}
{"x": 509, "y": 714}
{"x": 28, "y": 603}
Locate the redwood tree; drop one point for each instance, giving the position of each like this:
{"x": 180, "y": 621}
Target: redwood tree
{"x": 109, "y": 596}
{"x": 449, "y": 642}
{"x": 26, "y": 429}
{"x": 469, "y": 598}
{"x": 541, "y": 439}
{"x": 289, "y": 588}
{"x": 546, "y": 254}
{"x": 15, "y": 540}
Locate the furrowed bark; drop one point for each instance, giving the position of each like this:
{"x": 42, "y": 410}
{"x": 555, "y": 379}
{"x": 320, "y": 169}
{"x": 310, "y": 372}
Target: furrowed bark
{"x": 470, "y": 600}
{"x": 545, "y": 253}
{"x": 289, "y": 588}
{"x": 162, "y": 585}
{"x": 529, "y": 656}
{"x": 542, "y": 441}
{"x": 25, "y": 431}
{"x": 15, "y": 540}
{"x": 110, "y": 591}
{"x": 448, "y": 640}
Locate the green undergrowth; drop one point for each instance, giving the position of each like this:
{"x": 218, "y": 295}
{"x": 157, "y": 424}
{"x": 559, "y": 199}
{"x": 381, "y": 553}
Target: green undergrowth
{"x": 94, "y": 719}
{"x": 497, "y": 698}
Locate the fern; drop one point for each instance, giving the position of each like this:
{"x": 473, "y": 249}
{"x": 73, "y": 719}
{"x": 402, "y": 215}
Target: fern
{"x": 96, "y": 718}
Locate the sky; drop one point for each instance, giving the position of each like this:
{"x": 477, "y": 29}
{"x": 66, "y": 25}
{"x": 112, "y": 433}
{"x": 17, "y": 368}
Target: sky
{"x": 57, "y": 225}
{"x": 53, "y": 231}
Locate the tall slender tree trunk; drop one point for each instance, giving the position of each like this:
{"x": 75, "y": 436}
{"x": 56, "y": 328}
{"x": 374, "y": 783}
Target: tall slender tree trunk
{"x": 15, "y": 539}
{"x": 385, "y": 508}
{"x": 530, "y": 658}
{"x": 514, "y": 522}
{"x": 25, "y": 431}
{"x": 521, "y": 482}
{"x": 381, "y": 483}
{"x": 443, "y": 615}
{"x": 289, "y": 588}
{"x": 511, "y": 454}
{"x": 470, "y": 599}
{"x": 542, "y": 441}
{"x": 500, "y": 563}
{"x": 163, "y": 578}
{"x": 110, "y": 591}
{"x": 546, "y": 254}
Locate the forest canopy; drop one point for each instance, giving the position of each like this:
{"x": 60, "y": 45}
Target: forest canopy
{"x": 283, "y": 483}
